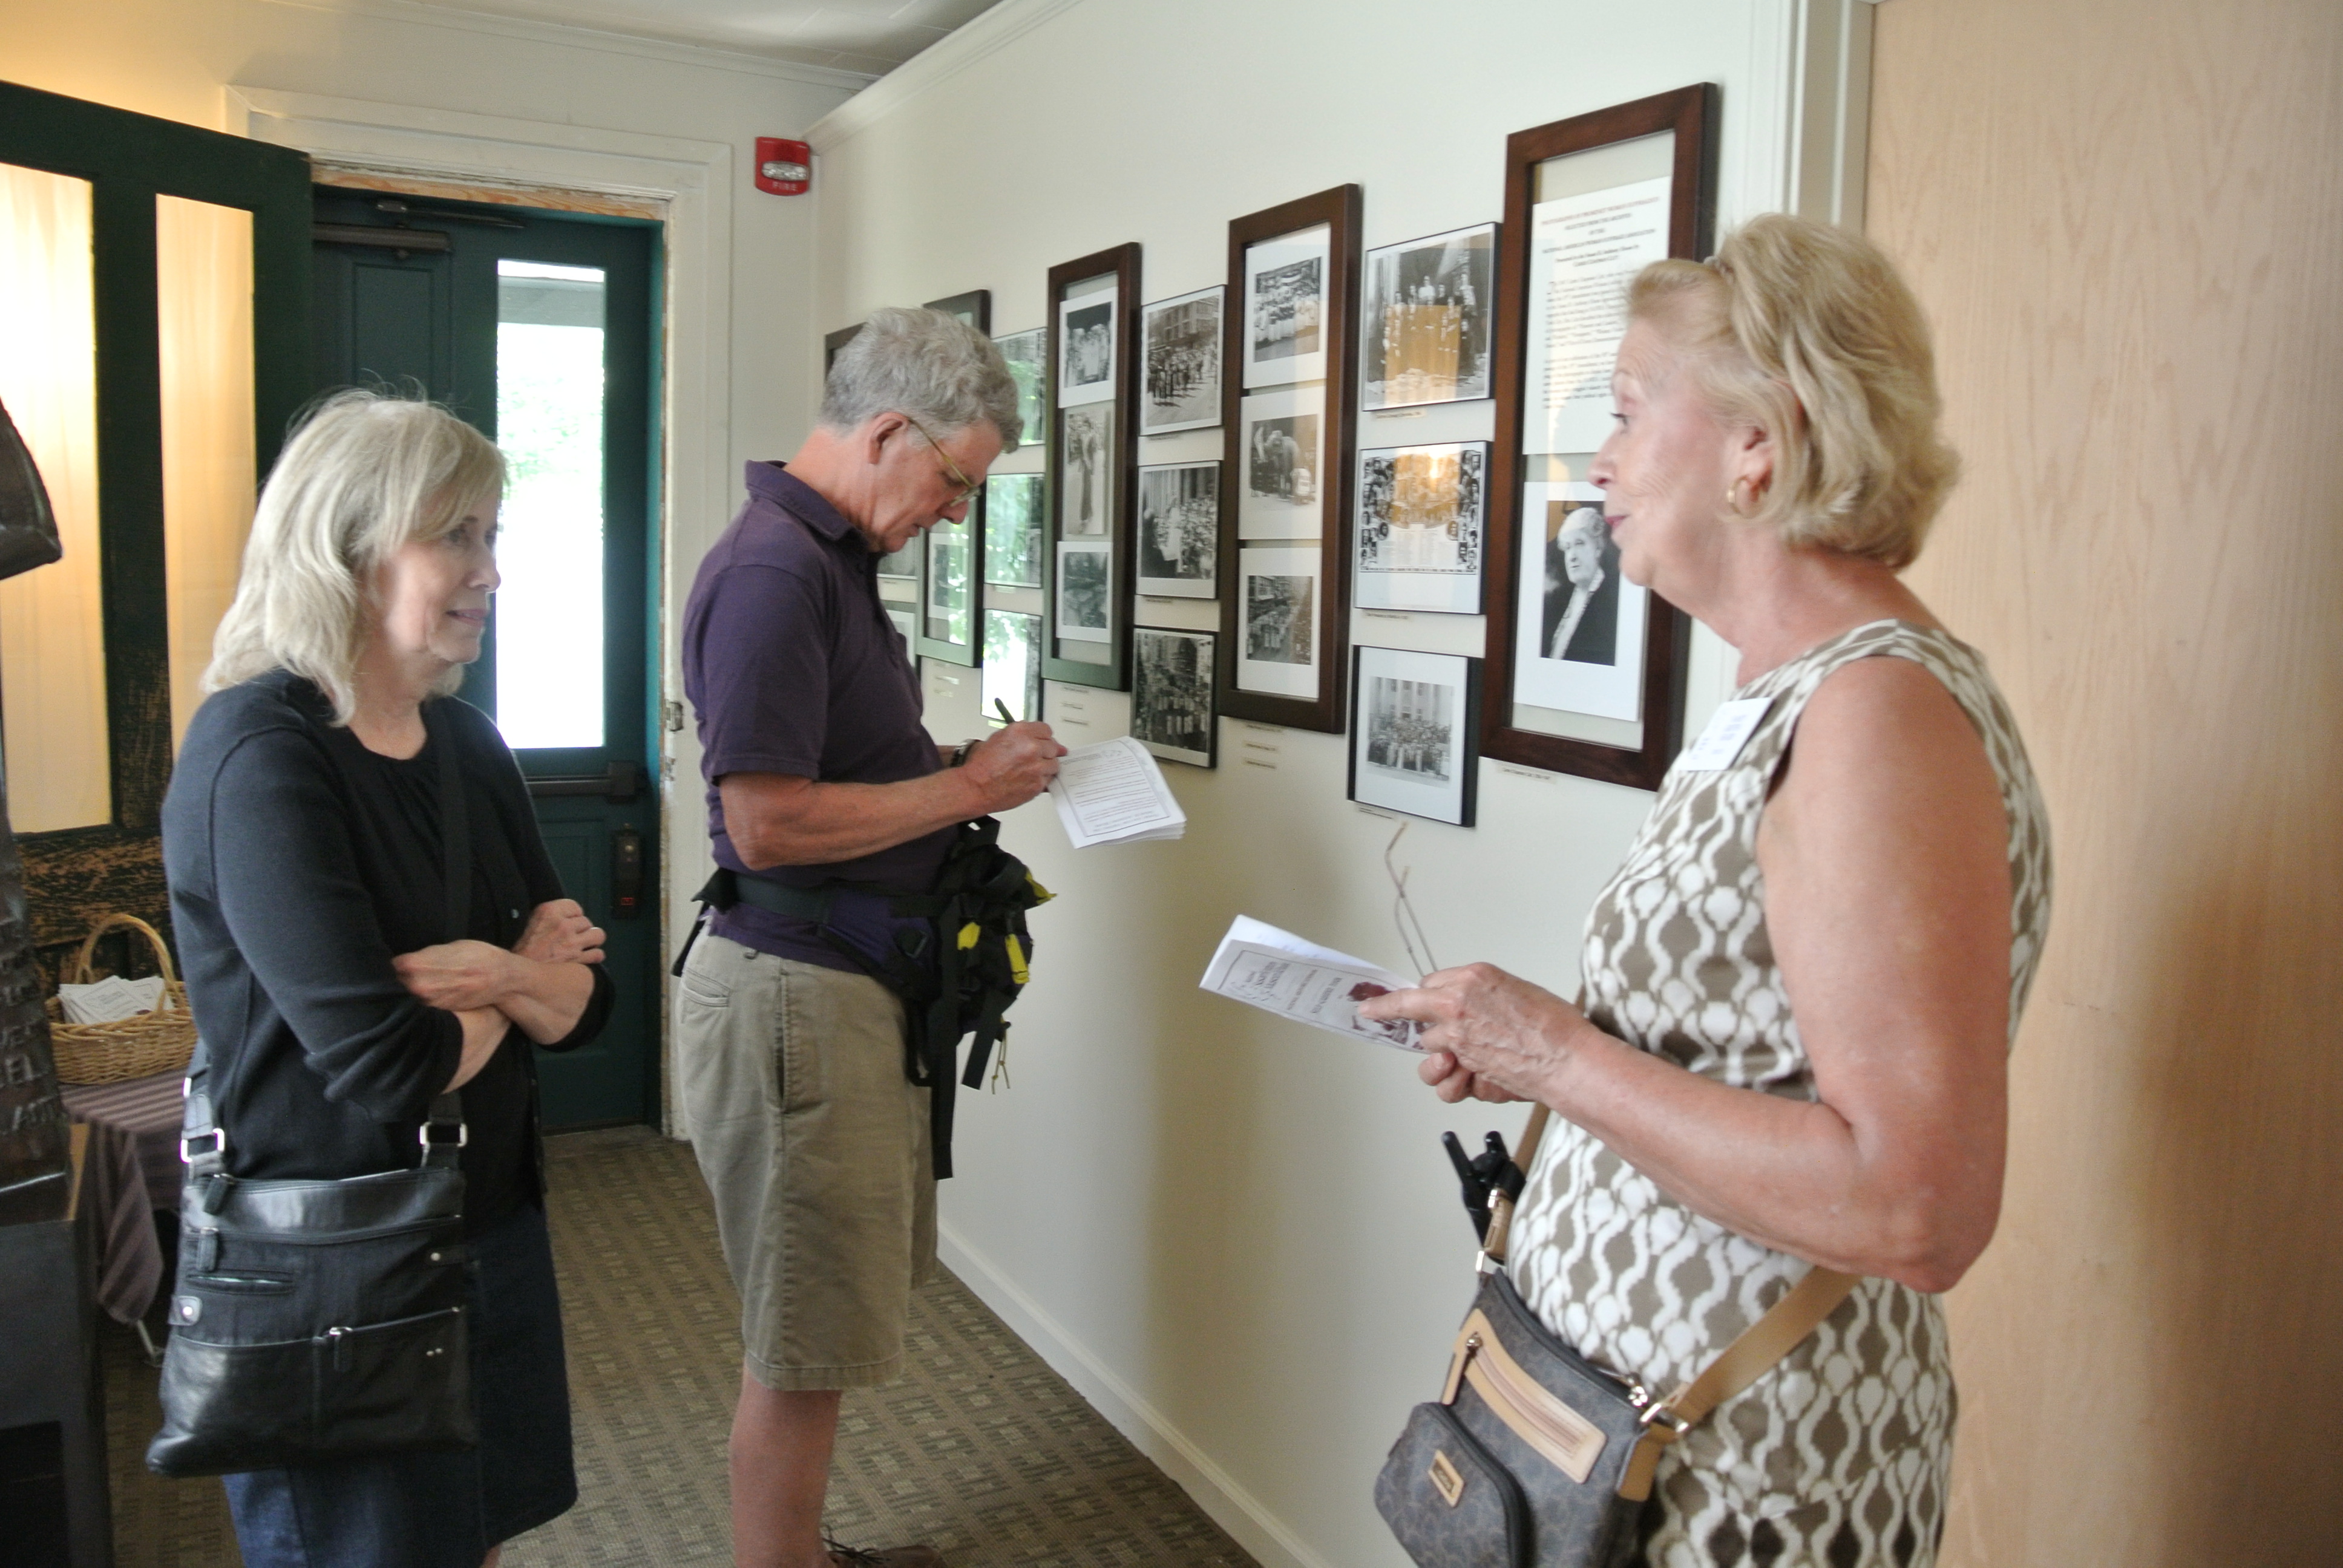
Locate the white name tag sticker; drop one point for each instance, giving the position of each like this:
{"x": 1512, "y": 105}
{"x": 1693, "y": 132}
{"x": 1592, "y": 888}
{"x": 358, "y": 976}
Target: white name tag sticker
{"x": 1728, "y": 731}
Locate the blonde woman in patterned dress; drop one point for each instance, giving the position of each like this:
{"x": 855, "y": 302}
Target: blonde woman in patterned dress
{"x": 1799, "y": 991}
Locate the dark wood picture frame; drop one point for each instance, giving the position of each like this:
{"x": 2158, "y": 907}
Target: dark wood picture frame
{"x": 968, "y": 654}
{"x": 974, "y": 307}
{"x": 1692, "y": 114}
{"x": 831, "y": 342}
{"x": 1114, "y": 674}
{"x": 1339, "y": 209}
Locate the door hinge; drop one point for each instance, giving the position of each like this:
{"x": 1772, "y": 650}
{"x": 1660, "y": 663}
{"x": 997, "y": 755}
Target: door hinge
{"x": 671, "y": 716}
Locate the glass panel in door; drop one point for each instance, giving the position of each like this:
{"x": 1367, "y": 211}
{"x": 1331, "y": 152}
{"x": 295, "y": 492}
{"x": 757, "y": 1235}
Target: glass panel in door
{"x": 52, "y": 622}
{"x": 549, "y": 422}
{"x": 203, "y": 300}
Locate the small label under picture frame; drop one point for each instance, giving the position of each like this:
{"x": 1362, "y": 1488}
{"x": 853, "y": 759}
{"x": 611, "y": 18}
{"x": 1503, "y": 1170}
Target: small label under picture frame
{"x": 1416, "y": 727}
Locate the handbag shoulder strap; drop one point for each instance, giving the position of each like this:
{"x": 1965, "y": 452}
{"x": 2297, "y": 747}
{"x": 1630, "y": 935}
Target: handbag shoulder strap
{"x": 1751, "y": 1356}
{"x": 456, "y": 847}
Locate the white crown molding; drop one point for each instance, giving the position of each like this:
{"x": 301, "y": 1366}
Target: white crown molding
{"x": 938, "y": 63}
{"x": 451, "y": 141}
{"x": 602, "y": 40}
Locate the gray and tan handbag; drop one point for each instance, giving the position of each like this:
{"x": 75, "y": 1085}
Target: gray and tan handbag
{"x": 1534, "y": 1457}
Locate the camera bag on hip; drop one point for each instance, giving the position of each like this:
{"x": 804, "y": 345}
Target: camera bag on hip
{"x": 1534, "y": 1457}
{"x": 321, "y": 1320}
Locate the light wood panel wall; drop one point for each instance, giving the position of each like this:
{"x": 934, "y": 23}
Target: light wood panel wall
{"x": 2124, "y": 216}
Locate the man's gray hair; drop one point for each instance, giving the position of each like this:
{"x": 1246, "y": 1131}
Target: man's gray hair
{"x": 941, "y": 372}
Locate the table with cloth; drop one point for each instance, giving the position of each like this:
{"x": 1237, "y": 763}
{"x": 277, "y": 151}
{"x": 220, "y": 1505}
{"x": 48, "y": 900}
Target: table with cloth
{"x": 134, "y": 1170}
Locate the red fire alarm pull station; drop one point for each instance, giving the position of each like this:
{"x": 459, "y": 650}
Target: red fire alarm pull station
{"x": 783, "y": 167}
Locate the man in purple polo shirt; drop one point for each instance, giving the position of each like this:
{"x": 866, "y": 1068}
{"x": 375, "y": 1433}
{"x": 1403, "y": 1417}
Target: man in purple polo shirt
{"x": 789, "y": 1055}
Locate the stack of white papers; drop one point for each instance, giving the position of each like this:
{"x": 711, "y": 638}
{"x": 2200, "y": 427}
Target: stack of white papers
{"x": 1113, "y": 793}
{"x": 112, "y": 999}
{"x": 1279, "y": 972}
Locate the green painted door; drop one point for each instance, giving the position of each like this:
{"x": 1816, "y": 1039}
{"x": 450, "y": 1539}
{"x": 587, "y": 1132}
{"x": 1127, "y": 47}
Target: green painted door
{"x": 540, "y": 329}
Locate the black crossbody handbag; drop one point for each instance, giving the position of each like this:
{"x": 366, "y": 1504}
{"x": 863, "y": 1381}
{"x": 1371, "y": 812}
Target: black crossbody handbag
{"x": 1534, "y": 1457}
{"x": 322, "y": 1321}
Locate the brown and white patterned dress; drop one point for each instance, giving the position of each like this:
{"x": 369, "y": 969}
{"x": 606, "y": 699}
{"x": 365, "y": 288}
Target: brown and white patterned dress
{"x": 1841, "y": 1456}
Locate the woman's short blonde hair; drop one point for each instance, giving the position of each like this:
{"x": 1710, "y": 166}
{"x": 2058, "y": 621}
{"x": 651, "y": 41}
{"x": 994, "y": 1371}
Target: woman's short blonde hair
{"x": 364, "y": 473}
{"x": 1805, "y": 331}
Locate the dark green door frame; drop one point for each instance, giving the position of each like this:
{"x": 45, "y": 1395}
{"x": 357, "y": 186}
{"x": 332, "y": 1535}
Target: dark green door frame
{"x": 130, "y": 159}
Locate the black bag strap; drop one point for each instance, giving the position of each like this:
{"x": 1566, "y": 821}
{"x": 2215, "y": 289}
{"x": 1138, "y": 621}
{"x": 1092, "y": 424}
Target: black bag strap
{"x": 439, "y": 1143}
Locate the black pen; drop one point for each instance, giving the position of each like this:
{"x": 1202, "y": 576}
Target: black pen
{"x": 1003, "y": 709}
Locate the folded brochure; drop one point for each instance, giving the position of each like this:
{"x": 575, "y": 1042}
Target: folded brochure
{"x": 1279, "y": 972}
{"x": 1113, "y": 793}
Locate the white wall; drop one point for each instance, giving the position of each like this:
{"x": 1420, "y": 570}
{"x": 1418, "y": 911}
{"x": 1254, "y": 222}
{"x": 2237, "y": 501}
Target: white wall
{"x": 1241, "y": 1238}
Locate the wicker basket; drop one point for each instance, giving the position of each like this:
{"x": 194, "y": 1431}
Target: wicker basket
{"x": 130, "y": 1048}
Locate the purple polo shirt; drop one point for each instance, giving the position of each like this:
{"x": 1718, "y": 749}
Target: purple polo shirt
{"x": 792, "y": 666}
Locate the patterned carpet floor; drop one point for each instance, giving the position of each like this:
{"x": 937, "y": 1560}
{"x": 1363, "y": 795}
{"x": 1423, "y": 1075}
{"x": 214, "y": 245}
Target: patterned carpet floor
{"x": 982, "y": 1451}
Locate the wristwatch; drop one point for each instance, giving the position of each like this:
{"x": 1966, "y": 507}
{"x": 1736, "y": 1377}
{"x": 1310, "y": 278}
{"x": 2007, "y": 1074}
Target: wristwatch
{"x": 959, "y": 753}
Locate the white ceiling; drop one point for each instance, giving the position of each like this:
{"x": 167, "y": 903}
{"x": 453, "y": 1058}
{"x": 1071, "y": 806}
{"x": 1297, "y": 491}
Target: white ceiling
{"x": 870, "y": 36}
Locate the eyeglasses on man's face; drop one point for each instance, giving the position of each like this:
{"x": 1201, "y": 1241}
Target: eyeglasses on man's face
{"x": 965, "y": 489}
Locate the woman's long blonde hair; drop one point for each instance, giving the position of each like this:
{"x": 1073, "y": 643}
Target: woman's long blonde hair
{"x": 364, "y": 473}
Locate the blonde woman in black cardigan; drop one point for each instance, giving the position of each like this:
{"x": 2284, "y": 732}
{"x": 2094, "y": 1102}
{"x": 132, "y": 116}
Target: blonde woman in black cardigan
{"x": 302, "y": 840}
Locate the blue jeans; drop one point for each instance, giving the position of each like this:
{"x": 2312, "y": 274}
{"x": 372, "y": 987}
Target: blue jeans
{"x": 443, "y": 1510}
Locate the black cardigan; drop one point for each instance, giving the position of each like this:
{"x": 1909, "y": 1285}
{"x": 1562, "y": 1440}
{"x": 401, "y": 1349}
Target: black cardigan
{"x": 300, "y": 863}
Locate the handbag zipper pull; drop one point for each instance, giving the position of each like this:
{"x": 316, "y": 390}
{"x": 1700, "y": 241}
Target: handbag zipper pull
{"x": 1466, "y": 1349}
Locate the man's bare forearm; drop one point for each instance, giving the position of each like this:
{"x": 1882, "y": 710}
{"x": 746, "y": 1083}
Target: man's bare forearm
{"x": 774, "y": 820}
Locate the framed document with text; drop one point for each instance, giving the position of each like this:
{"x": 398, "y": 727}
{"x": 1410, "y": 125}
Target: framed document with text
{"x": 1584, "y": 671}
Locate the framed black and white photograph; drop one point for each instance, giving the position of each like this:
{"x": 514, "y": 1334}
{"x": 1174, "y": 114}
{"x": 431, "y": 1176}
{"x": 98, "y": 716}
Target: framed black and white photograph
{"x": 1086, "y": 341}
{"x": 1180, "y": 384}
{"x": 1278, "y": 593}
{"x": 1579, "y": 626}
{"x": 1179, "y": 530}
{"x": 1012, "y": 530}
{"x": 1415, "y": 732}
{"x": 1172, "y": 694}
{"x": 1281, "y": 464}
{"x": 948, "y": 594}
{"x": 1089, "y": 456}
{"x": 1425, "y": 323}
{"x": 902, "y": 565}
{"x": 1286, "y": 280}
{"x": 1085, "y": 592}
{"x": 906, "y": 624}
{"x": 1421, "y": 515}
{"x": 1012, "y": 665}
{"x": 1027, "y": 354}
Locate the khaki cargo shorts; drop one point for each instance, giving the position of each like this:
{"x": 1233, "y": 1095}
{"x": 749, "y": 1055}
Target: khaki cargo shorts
{"x": 815, "y": 1147}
